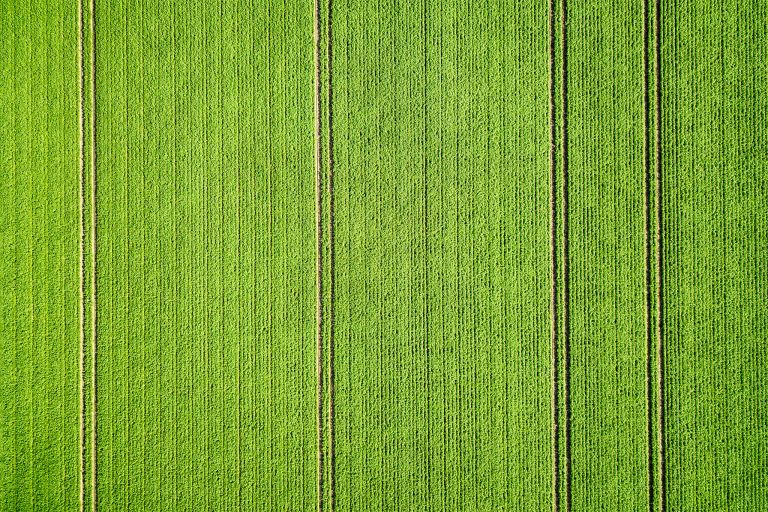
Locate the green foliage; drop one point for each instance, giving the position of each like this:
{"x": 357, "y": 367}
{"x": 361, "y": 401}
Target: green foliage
{"x": 205, "y": 369}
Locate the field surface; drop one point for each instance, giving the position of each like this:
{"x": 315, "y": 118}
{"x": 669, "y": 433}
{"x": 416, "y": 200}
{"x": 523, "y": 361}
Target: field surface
{"x": 384, "y": 256}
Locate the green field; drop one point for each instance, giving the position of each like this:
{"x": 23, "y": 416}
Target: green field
{"x": 159, "y": 183}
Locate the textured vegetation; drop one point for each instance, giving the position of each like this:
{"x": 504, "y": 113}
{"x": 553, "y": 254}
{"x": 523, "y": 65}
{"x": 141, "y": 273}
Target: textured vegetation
{"x": 205, "y": 378}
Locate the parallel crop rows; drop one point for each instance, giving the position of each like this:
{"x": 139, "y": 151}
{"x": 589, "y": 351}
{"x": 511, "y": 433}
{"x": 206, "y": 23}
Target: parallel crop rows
{"x": 205, "y": 383}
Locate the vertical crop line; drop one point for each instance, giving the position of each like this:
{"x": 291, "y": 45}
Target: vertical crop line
{"x": 93, "y": 252}
{"x": 331, "y": 270}
{"x": 81, "y": 249}
{"x": 565, "y": 256}
{"x": 659, "y": 259}
{"x": 553, "y": 263}
{"x": 318, "y": 256}
{"x": 647, "y": 239}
